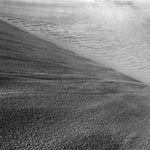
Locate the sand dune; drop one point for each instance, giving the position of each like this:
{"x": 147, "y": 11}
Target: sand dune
{"x": 126, "y": 56}
{"x": 51, "y": 98}
{"x": 118, "y": 36}
{"x": 56, "y": 91}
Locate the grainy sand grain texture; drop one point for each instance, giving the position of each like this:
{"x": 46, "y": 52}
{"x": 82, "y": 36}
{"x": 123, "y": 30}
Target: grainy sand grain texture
{"x": 52, "y": 98}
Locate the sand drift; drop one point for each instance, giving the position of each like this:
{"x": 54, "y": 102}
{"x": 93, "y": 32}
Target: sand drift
{"x": 109, "y": 33}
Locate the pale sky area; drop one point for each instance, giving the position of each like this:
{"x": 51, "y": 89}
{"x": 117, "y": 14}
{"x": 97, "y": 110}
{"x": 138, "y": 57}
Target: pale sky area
{"x": 49, "y": 1}
{"x": 52, "y": 1}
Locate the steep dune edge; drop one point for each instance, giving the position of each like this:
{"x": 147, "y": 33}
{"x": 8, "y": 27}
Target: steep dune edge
{"x": 50, "y": 98}
{"x": 128, "y": 59}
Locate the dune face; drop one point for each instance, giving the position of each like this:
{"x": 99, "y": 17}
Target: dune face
{"x": 52, "y": 98}
{"x": 115, "y": 33}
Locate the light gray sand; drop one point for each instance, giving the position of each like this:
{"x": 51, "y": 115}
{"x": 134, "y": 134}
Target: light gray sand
{"x": 53, "y": 99}
{"x": 117, "y": 36}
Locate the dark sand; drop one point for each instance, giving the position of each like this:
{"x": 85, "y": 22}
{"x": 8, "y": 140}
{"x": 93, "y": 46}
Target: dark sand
{"x": 50, "y": 99}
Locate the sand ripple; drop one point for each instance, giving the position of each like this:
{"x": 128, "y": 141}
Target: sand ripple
{"x": 126, "y": 50}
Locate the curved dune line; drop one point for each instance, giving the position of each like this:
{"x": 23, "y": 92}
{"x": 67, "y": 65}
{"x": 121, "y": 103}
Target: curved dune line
{"x": 120, "y": 58}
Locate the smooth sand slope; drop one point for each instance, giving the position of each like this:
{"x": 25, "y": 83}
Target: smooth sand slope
{"x": 52, "y": 99}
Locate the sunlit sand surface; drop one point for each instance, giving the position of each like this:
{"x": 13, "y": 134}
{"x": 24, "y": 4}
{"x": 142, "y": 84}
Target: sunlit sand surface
{"x": 116, "y": 36}
{"x": 58, "y": 88}
{"x": 51, "y": 98}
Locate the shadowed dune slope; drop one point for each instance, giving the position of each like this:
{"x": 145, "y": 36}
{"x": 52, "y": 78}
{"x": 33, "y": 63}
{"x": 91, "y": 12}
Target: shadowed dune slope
{"x": 52, "y": 99}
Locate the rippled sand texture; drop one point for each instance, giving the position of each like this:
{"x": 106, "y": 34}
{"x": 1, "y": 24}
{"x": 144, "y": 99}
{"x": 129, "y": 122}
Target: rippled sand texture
{"x": 53, "y": 99}
{"x": 115, "y": 35}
